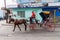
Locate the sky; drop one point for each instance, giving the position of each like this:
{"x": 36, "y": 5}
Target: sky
{"x": 1, "y": 3}
{"x": 8, "y": 2}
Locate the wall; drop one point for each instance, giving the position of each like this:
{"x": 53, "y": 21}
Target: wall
{"x": 28, "y": 12}
{"x": 54, "y": 4}
{"x": 25, "y": 1}
{"x": 2, "y": 14}
{"x": 48, "y": 0}
{"x": 58, "y": 12}
{"x": 58, "y": 0}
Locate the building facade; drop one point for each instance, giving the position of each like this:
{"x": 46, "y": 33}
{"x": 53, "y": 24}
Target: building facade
{"x": 25, "y": 10}
{"x": 41, "y": 1}
{"x": 25, "y": 13}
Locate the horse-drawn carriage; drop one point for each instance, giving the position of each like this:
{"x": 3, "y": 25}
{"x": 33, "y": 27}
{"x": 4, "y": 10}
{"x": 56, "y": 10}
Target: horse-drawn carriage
{"x": 46, "y": 24}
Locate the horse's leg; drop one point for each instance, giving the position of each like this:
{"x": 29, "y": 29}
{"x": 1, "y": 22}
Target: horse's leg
{"x": 19, "y": 27}
{"x": 25, "y": 26}
{"x": 14, "y": 28}
{"x": 9, "y": 21}
{"x": 41, "y": 24}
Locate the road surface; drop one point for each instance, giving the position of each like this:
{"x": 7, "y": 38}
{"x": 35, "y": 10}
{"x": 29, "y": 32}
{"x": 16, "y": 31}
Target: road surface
{"x": 6, "y": 33}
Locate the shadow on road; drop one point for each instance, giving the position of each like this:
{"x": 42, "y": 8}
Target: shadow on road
{"x": 7, "y": 24}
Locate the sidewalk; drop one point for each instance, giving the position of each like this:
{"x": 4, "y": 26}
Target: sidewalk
{"x": 6, "y": 33}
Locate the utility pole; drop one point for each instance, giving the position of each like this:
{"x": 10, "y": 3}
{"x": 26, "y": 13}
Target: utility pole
{"x": 5, "y": 3}
{"x": 5, "y": 13}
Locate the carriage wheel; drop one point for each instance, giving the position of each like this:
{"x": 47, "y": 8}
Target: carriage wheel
{"x": 51, "y": 27}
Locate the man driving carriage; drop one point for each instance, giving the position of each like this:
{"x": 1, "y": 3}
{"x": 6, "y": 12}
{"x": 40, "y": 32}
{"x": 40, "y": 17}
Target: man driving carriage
{"x": 32, "y": 20}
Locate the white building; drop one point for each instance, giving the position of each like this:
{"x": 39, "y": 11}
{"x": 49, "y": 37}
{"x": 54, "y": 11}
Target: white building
{"x": 26, "y": 1}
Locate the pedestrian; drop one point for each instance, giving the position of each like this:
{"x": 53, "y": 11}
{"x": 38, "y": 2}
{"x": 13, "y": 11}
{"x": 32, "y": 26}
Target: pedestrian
{"x": 7, "y": 14}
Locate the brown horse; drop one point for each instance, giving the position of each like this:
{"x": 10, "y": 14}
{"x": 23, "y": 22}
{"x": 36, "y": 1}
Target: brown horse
{"x": 21, "y": 21}
{"x": 18, "y": 22}
{"x": 11, "y": 20}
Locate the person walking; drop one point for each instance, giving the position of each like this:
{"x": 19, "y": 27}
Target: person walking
{"x": 7, "y": 14}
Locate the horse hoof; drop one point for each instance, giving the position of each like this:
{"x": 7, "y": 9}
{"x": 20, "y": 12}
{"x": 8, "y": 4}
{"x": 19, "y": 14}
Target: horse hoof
{"x": 40, "y": 25}
{"x": 25, "y": 30}
{"x": 20, "y": 29}
{"x": 13, "y": 30}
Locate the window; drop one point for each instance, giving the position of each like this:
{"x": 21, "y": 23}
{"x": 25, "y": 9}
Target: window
{"x": 21, "y": 13}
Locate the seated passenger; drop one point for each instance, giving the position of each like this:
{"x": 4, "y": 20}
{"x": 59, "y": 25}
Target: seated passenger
{"x": 45, "y": 16}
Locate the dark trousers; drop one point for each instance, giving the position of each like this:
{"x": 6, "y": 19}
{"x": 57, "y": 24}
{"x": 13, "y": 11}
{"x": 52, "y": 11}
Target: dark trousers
{"x": 32, "y": 20}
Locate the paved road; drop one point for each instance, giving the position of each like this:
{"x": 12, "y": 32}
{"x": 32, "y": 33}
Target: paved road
{"x": 6, "y": 33}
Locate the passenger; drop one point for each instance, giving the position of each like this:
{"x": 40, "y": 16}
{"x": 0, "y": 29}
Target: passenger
{"x": 44, "y": 16}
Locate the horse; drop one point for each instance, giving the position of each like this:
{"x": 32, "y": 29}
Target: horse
{"x": 22, "y": 21}
{"x": 11, "y": 20}
{"x": 18, "y": 22}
